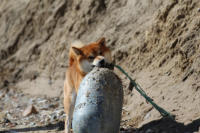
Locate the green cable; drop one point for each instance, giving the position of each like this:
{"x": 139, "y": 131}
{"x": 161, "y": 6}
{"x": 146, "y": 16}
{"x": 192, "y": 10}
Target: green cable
{"x": 139, "y": 89}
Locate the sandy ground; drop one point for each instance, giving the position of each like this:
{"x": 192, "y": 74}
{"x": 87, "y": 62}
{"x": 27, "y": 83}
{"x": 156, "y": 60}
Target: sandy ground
{"x": 156, "y": 42}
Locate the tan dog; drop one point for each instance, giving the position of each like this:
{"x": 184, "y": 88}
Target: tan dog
{"x": 81, "y": 61}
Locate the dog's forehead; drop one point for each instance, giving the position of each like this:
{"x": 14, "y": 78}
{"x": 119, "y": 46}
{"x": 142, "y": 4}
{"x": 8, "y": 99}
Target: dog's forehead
{"x": 94, "y": 51}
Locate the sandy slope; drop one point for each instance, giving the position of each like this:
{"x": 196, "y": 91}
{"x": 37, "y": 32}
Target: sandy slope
{"x": 156, "y": 41}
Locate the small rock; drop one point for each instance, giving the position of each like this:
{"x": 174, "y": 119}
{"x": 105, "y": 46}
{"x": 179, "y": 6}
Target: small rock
{"x": 198, "y": 9}
{"x": 8, "y": 115}
{"x": 44, "y": 107}
{"x": 32, "y": 124}
{"x": 53, "y": 117}
{"x": 59, "y": 113}
{"x": 42, "y": 101}
{"x": 5, "y": 120}
{"x": 53, "y": 105}
{"x": 47, "y": 119}
{"x": 30, "y": 110}
{"x": 56, "y": 99}
{"x": 147, "y": 116}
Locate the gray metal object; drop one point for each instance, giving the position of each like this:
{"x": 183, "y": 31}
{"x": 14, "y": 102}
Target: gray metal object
{"x": 99, "y": 103}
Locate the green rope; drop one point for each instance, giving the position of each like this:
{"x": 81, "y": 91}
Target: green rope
{"x": 139, "y": 89}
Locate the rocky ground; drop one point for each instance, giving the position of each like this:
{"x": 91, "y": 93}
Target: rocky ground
{"x": 49, "y": 113}
{"x": 49, "y": 116}
{"x": 157, "y": 42}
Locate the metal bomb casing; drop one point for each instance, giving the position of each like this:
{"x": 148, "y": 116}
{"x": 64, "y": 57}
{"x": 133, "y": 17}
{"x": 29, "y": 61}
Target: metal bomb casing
{"x": 99, "y": 101}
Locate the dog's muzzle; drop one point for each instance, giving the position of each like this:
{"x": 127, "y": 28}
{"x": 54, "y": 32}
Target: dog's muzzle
{"x": 101, "y": 63}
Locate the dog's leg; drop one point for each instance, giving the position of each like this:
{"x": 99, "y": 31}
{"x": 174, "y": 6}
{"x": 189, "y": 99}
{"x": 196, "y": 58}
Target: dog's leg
{"x": 69, "y": 103}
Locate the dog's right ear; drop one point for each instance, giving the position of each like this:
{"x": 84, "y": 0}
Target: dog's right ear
{"x": 102, "y": 41}
{"x": 77, "y": 51}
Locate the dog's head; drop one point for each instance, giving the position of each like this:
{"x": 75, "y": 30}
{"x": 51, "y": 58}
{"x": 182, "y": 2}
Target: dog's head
{"x": 93, "y": 54}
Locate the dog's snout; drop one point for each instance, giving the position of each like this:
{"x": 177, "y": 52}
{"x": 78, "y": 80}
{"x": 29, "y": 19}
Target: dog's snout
{"x": 102, "y": 61}
{"x": 99, "y": 61}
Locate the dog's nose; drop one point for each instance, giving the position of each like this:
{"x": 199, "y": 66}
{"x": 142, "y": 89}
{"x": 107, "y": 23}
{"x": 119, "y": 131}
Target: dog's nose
{"x": 102, "y": 62}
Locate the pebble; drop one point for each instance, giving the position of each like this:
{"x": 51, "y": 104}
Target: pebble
{"x": 56, "y": 99}
{"x": 42, "y": 101}
{"x": 53, "y": 105}
{"x": 53, "y": 117}
{"x": 45, "y": 107}
{"x": 46, "y": 119}
{"x": 32, "y": 124}
{"x": 198, "y": 9}
{"x": 147, "y": 116}
{"x": 60, "y": 112}
{"x": 30, "y": 110}
{"x": 8, "y": 115}
{"x": 5, "y": 120}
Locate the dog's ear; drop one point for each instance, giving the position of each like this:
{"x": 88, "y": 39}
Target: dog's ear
{"x": 102, "y": 41}
{"x": 77, "y": 51}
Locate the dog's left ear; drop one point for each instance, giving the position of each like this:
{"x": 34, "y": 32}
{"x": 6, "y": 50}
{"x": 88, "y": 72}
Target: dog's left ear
{"x": 102, "y": 41}
{"x": 77, "y": 51}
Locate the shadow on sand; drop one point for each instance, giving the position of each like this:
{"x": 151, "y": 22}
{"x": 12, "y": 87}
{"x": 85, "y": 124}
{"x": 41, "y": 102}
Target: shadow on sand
{"x": 58, "y": 126}
{"x": 166, "y": 125}
{"x": 163, "y": 125}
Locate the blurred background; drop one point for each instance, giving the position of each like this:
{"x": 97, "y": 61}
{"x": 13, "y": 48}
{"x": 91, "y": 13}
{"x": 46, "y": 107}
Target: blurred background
{"x": 156, "y": 41}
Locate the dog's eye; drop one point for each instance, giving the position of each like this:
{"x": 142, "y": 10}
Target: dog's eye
{"x": 91, "y": 57}
{"x": 100, "y": 53}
